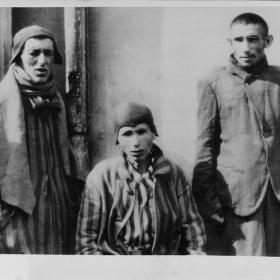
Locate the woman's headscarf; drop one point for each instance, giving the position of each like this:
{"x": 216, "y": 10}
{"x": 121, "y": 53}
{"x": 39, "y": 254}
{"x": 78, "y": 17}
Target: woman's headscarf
{"x": 30, "y": 32}
{"x": 132, "y": 114}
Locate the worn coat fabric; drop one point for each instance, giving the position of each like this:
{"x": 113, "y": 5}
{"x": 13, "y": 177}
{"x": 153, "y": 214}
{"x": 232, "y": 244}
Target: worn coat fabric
{"x": 238, "y": 142}
{"x": 35, "y": 165}
{"x": 179, "y": 227}
{"x": 15, "y": 182}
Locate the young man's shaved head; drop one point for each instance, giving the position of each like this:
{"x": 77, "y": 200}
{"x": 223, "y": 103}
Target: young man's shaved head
{"x": 251, "y": 18}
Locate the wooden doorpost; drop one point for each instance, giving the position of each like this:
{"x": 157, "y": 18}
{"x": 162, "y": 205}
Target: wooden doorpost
{"x": 5, "y": 39}
{"x": 76, "y": 82}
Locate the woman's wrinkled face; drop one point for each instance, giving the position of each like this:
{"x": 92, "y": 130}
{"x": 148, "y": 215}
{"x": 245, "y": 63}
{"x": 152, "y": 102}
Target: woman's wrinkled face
{"x": 37, "y": 59}
{"x": 136, "y": 142}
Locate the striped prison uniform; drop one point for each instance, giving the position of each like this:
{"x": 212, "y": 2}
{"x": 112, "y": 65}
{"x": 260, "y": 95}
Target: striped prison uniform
{"x": 110, "y": 212}
{"x": 48, "y": 229}
{"x": 139, "y": 229}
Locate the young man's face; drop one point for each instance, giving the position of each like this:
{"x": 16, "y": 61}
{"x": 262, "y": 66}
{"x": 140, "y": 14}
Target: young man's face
{"x": 248, "y": 42}
{"x": 37, "y": 59}
{"x": 136, "y": 142}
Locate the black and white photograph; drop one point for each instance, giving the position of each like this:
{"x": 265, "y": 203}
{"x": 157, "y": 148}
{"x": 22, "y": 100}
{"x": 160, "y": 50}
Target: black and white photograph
{"x": 139, "y": 139}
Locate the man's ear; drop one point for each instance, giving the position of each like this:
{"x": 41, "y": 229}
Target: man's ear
{"x": 229, "y": 40}
{"x": 268, "y": 41}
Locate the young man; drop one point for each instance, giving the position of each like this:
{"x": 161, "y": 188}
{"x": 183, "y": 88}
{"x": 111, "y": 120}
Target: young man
{"x": 140, "y": 202}
{"x": 237, "y": 173}
{"x": 36, "y": 211}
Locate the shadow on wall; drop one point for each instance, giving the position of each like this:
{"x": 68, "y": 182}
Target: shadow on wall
{"x": 186, "y": 165}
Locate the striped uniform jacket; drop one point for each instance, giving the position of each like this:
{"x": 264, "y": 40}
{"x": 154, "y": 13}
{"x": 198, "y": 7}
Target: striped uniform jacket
{"x": 37, "y": 197}
{"x": 178, "y": 225}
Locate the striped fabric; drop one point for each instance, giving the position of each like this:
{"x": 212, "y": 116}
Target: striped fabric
{"x": 139, "y": 228}
{"x": 47, "y": 230}
{"x": 106, "y": 209}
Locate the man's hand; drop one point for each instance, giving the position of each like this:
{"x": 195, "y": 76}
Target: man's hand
{"x": 218, "y": 217}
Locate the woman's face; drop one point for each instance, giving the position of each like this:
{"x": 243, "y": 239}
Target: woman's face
{"x": 37, "y": 59}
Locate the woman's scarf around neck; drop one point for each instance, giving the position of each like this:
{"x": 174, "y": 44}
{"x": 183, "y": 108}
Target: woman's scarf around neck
{"x": 15, "y": 180}
{"x": 39, "y": 96}
{"x": 28, "y": 88}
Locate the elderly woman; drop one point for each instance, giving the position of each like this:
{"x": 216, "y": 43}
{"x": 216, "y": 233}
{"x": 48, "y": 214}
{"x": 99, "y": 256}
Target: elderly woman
{"x": 36, "y": 211}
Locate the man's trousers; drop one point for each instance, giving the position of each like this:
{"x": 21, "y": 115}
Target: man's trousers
{"x": 254, "y": 235}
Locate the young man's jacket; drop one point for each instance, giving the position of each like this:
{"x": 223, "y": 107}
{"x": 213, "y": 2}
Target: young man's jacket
{"x": 179, "y": 227}
{"x": 238, "y": 142}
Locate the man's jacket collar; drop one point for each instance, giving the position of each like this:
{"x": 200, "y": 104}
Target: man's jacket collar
{"x": 235, "y": 69}
{"x": 161, "y": 165}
